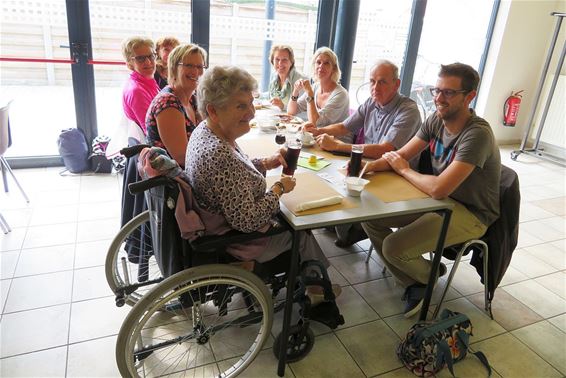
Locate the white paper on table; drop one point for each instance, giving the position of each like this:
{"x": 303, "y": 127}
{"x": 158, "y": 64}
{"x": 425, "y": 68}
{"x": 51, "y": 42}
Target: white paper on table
{"x": 319, "y": 203}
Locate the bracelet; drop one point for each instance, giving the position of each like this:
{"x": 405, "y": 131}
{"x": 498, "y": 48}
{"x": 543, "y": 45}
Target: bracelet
{"x": 279, "y": 184}
{"x": 294, "y": 98}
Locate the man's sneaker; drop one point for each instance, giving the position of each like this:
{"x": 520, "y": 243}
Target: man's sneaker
{"x": 441, "y": 270}
{"x": 414, "y": 296}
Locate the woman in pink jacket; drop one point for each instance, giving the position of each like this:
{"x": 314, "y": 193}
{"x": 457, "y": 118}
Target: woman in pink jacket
{"x": 140, "y": 88}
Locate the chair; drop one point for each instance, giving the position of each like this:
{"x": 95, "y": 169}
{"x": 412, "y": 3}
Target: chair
{"x": 5, "y": 142}
{"x": 501, "y": 238}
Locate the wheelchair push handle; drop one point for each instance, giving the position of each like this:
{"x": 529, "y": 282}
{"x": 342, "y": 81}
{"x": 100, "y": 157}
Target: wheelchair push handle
{"x": 142, "y": 186}
{"x": 133, "y": 150}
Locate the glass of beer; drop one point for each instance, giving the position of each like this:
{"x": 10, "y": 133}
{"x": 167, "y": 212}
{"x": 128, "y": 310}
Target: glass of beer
{"x": 356, "y": 160}
{"x": 292, "y": 156}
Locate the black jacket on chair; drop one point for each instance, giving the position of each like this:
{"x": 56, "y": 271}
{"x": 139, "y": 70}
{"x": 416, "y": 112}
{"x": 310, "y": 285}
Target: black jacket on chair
{"x": 501, "y": 237}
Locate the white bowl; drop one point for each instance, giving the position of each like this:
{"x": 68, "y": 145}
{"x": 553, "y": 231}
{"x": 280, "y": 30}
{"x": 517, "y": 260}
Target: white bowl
{"x": 355, "y": 185}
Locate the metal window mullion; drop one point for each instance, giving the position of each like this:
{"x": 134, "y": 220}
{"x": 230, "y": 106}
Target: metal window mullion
{"x": 78, "y": 22}
{"x": 412, "y": 49}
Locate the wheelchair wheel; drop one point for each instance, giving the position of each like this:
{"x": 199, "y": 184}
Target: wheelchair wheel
{"x": 299, "y": 344}
{"x": 131, "y": 269}
{"x": 210, "y": 320}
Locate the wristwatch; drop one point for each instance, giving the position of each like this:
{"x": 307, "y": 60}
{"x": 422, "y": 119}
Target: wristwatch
{"x": 309, "y": 99}
{"x": 294, "y": 98}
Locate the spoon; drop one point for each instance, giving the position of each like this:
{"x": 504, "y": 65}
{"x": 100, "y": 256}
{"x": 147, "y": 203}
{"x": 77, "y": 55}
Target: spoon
{"x": 363, "y": 171}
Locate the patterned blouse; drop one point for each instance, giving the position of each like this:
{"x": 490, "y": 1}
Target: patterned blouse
{"x": 164, "y": 100}
{"x": 225, "y": 181}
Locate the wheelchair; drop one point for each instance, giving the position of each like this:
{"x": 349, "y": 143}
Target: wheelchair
{"x": 195, "y": 309}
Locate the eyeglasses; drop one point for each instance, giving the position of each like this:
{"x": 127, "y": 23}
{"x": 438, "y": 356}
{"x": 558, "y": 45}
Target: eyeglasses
{"x": 142, "y": 58}
{"x": 446, "y": 92}
{"x": 190, "y": 66}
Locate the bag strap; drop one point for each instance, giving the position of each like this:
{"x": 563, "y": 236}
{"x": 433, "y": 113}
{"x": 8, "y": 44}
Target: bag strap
{"x": 443, "y": 355}
{"x": 464, "y": 338}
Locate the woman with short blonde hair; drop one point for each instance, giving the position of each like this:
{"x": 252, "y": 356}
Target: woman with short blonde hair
{"x": 140, "y": 88}
{"x": 326, "y": 102}
{"x": 173, "y": 115}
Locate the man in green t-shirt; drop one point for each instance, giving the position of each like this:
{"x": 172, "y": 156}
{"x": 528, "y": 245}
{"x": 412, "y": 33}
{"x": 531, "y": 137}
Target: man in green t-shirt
{"x": 466, "y": 170}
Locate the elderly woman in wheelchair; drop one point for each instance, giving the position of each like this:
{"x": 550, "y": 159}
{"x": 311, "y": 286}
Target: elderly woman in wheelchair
{"x": 213, "y": 319}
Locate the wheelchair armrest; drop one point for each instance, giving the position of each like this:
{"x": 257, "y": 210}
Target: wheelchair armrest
{"x": 214, "y": 242}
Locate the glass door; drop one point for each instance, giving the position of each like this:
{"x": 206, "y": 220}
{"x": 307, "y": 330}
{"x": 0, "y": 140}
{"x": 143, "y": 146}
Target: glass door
{"x": 453, "y": 31}
{"x": 383, "y": 28}
{"x": 35, "y": 75}
{"x": 111, "y": 23}
{"x": 239, "y": 30}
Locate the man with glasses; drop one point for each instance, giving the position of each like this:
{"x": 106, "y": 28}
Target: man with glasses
{"x": 383, "y": 123}
{"x": 466, "y": 170}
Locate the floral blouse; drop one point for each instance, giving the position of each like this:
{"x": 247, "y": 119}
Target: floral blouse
{"x": 225, "y": 181}
{"x": 164, "y": 100}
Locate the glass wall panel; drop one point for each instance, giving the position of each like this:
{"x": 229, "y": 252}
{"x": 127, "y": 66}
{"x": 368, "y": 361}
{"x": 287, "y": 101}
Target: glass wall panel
{"x": 41, "y": 94}
{"x": 383, "y": 27}
{"x": 239, "y": 30}
{"x": 112, "y": 22}
{"x": 453, "y": 31}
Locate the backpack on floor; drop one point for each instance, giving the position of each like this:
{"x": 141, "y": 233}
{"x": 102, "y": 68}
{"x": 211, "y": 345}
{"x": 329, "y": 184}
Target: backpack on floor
{"x": 73, "y": 148}
{"x": 429, "y": 346}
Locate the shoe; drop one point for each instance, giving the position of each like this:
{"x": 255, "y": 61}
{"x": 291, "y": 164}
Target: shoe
{"x": 316, "y": 293}
{"x": 355, "y": 235}
{"x": 441, "y": 270}
{"x": 414, "y": 296}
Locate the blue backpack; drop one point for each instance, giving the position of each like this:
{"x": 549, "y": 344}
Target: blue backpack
{"x": 73, "y": 148}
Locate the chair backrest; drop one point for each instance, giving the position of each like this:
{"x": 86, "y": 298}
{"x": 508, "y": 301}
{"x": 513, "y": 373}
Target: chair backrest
{"x": 4, "y": 129}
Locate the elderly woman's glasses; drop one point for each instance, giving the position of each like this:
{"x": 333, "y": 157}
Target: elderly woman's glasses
{"x": 448, "y": 93}
{"x": 142, "y": 58}
{"x": 190, "y": 66}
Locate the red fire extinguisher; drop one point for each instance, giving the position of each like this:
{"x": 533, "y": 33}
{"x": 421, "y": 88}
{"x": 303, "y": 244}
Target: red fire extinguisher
{"x": 511, "y": 108}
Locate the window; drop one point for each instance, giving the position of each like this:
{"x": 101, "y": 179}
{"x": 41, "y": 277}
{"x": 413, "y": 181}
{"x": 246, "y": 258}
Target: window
{"x": 453, "y": 31}
{"x": 239, "y": 30}
{"x": 41, "y": 93}
{"x": 383, "y": 27}
{"x": 111, "y": 23}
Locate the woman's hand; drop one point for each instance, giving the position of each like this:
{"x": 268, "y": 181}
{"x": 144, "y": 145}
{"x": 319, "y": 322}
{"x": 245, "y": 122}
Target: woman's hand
{"x": 297, "y": 88}
{"x": 288, "y": 182}
{"x": 275, "y": 160}
{"x": 396, "y": 161}
{"x": 308, "y": 88}
{"x": 277, "y": 102}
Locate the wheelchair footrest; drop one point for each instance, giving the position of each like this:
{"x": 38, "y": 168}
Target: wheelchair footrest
{"x": 327, "y": 313}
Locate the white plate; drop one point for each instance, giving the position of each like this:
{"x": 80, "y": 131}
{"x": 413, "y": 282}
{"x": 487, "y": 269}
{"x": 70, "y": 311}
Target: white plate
{"x": 267, "y": 128}
{"x": 309, "y": 144}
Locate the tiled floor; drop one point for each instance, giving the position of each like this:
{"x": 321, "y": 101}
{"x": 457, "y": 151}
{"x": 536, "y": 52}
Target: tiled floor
{"x": 59, "y": 318}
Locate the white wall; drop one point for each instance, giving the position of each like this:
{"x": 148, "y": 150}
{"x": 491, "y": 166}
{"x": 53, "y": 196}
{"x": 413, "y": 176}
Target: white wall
{"x": 519, "y": 46}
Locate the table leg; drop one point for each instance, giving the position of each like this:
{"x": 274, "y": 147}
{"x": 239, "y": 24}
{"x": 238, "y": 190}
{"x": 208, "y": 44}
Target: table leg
{"x": 289, "y": 303}
{"x": 447, "y": 213}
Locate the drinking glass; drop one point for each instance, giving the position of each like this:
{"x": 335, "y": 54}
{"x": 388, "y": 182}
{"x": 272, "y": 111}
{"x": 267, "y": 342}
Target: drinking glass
{"x": 292, "y": 156}
{"x": 355, "y": 160}
{"x": 280, "y": 136}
